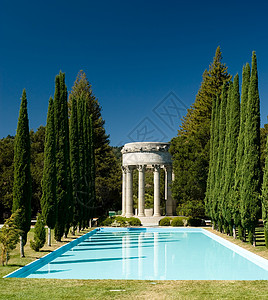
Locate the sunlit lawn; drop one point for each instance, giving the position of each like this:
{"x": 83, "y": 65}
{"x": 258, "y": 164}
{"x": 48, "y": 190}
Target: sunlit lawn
{"x": 23, "y": 288}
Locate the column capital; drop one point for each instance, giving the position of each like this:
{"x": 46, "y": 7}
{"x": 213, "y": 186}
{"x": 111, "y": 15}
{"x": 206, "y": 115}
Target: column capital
{"x": 123, "y": 168}
{"x": 141, "y": 167}
{"x": 129, "y": 169}
{"x": 156, "y": 168}
{"x": 168, "y": 167}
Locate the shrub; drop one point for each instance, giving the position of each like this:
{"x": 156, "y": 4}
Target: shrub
{"x": 39, "y": 234}
{"x": 107, "y": 222}
{"x": 9, "y": 237}
{"x": 194, "y": 222}
{"x": 134, "y": 221}
{"x": 121, "y": 221}
{"x": 179, "y": 221}
{"x": 165, "y": 221}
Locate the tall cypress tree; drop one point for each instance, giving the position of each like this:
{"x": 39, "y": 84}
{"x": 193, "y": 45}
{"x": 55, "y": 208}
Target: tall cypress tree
{"x": 213, "y": 152}
{"x": 251, "y": 171}
{"x": 107, "y": 167}
{"x": 22, "y": 188}
{"x": 240, "y": 150}
{"x": 64, "y": 196}
{"x": 190, "y": 149}
{"x": 232, "y": 133}
{"x": 265, "y": 198}
{"x": 217, "y": 213}
{"x": 49, "y": 180}
{"x": 74, "y": 160}
{"x": 223, "y": 179}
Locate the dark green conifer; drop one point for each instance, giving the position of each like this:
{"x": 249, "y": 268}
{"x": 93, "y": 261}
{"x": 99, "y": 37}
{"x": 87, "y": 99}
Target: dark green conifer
{"x": 217, "y": 213}
{"x": 232, "y": 133}
{"x": 213, "y": 152}
{"x": 265, "y": 198}
{"x": 74, "y": 160}
{"x": 22, "y": 188}
{"x": 39, "y": 234}
{"x": 49, "y": 180}
{"x": 251, "y": 171}
{"x": 64, "y": 184}
{"x": 222, "y": 192}
{"x": 240, "y": 150}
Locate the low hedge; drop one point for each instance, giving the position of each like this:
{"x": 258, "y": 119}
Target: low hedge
{"x": 165, "y": 221}
{"x": 195, "y": 222}
{"x": 121, "y": 221}
{"x": 179, "y": 221}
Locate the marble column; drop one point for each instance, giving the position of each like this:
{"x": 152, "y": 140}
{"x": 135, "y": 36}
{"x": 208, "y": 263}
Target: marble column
{"x": 168, "y": 180}
{"x": 156, "y": 190}
{"x": 129, "y": 192}
{"x": 141, "y": 204}
{"x": 123, "y": 191}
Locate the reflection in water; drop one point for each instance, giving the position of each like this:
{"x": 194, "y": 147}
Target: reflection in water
{"x": 140, "y": 254}
{"x": 156, "y": 253}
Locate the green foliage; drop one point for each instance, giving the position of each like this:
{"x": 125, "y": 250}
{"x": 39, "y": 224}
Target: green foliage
{"x": 49, "y": 180}
{"x": 251, "y": 171}
{"x": 74, "y": 161}
{"x": 37, "y": 164}
{"x": 121, "y": 221}
{"x": 179, "y": 221}
{"x": 195, "y": 222}
{"x": 134, "y": 221}
{"x": 64, "y": 187}
{"x": 232, "y": 132}
{"x": 241, "y": 146}
{"x": 9, "y": 237}
{"x": 22, "y": 188}
{"x": 107, "y": 222}
{"x": 165, "y": 221}
{"x": 193, "y": 208}
{"x": 190, "y": 149}
{"x": 107, "y": 172}
{"x": 39, "y": 234}
{"x": 6, "y": 174}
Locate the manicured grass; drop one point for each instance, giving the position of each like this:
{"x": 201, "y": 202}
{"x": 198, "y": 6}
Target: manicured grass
{"x": 13, "y": 288}
{"x": 24, "y": 288}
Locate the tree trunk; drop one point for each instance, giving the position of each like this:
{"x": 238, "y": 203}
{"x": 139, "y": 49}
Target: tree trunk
{"x": 21, "y": 247}
{"x": 234, "y": 232}
{"x": 49, "y": 237}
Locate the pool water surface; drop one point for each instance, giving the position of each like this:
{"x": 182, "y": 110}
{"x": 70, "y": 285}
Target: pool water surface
{"x": 152, "y": 254}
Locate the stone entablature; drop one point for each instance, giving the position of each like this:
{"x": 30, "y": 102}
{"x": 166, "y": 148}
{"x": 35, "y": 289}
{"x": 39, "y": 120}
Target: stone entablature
{"x": 142, "y": 155}
{"x": 149, "y": 153}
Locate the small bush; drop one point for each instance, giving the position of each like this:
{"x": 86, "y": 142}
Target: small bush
{"x": 134, "y": 221}
{"x": 164, "y": 222}
{"x": 194, "y": 222}
{"x": 107, "y": 222}
{"x": 179, "y": 221}
{"x": 121, "y": 221}
{"x": 39, "y": 234}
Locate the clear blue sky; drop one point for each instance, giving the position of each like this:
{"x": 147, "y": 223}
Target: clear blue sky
{"x": 144, "y": 59}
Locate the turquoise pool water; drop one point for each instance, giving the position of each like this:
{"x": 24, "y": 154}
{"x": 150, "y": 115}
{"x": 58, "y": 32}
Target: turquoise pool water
{"x": 153, "y": 254}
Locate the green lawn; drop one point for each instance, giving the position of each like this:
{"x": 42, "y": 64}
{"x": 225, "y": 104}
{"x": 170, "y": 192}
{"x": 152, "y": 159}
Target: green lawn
{"x": 16, "y": 288}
